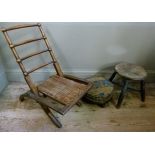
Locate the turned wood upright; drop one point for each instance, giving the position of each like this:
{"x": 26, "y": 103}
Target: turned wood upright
{"x": 60, "y": 92}
{"x": 20, "y": 60}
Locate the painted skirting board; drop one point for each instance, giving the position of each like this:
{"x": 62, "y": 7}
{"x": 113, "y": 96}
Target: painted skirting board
{"x": 17, "y": 76}
{"x": 3, "y": 77}
{"x": 3, "y": 81}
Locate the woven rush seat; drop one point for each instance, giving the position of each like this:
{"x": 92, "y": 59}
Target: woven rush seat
{"x": 101, "y": 92}
{"x": 63, "y": 90}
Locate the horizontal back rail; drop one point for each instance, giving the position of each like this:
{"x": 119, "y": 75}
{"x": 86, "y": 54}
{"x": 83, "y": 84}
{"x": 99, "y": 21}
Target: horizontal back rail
{"x": 26, "y": 42}
{"x": 27, "y": 78}
{"x": 40, "y": 66}
{"x": 34, "y": 54}
{"x": 19, "y": 59}
{"x": 19, "y": 27}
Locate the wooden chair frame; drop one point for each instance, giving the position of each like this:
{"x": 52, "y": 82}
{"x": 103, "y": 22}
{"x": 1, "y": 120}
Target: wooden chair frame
{"x": 46, "y": 103}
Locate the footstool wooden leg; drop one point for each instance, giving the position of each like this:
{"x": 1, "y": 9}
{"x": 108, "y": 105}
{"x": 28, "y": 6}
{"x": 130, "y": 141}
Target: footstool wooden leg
{"x": 142, "y": 90}
{"x": 112, "y": 76}
{"x": 122, "y": 94}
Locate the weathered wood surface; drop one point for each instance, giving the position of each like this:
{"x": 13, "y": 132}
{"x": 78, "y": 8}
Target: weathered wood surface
{"x": 64, "y": 90}
{"x": 19, "y": 27}
{"x": 19, "y": 60}
{"x": 29, "y": 116}
{"x": 131, "y": 71}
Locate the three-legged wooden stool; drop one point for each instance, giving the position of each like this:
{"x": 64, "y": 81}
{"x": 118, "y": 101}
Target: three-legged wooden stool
{"x": 129, "y": 72}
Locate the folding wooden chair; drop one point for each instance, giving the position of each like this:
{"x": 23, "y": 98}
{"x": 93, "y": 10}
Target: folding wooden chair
{"x": 60, "y": 92}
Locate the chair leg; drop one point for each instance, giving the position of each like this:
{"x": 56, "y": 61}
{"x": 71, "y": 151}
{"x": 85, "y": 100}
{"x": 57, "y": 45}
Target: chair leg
{"x": 112, "y": 76}
{"x": 79, "y": 103}
{"x": 22, "y": 97}
{"x": 142, "y": 90}
{"x": 122, "y": 94}
{"x": 51, "y": 116}
{"x": 45, "y": 108}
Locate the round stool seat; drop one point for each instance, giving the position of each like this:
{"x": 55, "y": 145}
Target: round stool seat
{"x": 131, "y": 71}
{"x": 101, "y": 91}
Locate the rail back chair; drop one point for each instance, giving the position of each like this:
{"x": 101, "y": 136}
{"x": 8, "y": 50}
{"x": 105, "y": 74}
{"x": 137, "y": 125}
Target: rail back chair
{"x": 60, "y": 92}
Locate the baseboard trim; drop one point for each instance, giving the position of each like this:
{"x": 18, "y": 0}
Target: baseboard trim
{"x": 3, "y": 81}
{"x": 17, "y": 76}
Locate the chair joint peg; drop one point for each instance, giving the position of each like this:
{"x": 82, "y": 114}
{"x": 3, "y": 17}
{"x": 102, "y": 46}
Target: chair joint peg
{"x": 25, "y": 73}
{"x": 11, "y": 46}
{"x": 18, "y": 60}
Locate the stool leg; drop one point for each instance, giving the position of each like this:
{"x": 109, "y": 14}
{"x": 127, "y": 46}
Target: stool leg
{"x": 112, "y": 76}
{"x": 122, "y": 94}
{"x": 142, "y": 90}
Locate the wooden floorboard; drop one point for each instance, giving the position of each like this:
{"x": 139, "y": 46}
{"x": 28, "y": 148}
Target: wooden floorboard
{"x": 28, "y": 115}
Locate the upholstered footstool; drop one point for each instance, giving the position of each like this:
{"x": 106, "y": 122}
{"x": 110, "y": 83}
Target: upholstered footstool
{"x": 101, "y": 91}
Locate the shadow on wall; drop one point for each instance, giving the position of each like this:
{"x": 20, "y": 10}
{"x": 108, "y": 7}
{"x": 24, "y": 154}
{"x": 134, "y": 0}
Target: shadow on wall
{"x": 149, "y": 60}
{"x": 106, "y": 70}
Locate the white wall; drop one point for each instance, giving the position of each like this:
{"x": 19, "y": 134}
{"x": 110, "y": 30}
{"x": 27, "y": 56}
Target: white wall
{"x": 86, "y": 48}
{"x": 3, "y": 78}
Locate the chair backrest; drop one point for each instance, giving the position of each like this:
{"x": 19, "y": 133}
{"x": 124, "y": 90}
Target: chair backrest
{"x": 20, "y": 60}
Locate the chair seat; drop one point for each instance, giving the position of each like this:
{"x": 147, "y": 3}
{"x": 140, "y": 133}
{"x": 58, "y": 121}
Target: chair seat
{"x": 63, "y": 90}
{"x": 131, "y": 71}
